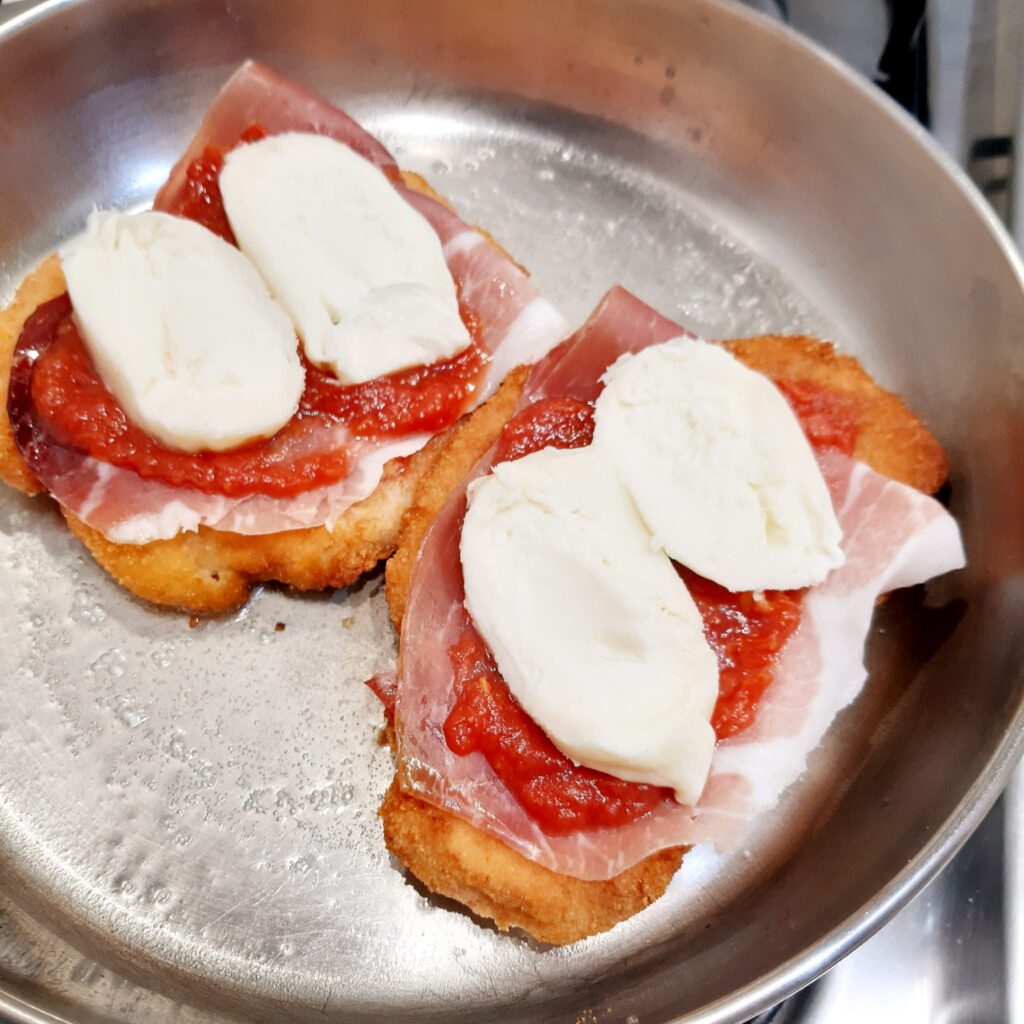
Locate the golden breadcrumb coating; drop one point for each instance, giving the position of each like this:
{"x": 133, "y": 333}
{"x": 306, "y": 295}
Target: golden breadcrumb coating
{"x": 455, "y": 859}
{"x": 212, "y": 571}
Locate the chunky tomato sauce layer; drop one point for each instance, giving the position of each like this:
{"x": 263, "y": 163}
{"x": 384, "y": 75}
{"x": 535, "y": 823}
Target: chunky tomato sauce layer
{"x": 75, "y": 407}
{"x": 747, "y": 631}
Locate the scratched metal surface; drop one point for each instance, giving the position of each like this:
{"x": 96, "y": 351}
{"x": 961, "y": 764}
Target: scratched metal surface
{"x": 187, "y": 815}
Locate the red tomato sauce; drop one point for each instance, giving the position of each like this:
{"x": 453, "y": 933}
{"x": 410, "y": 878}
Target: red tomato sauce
{"x": 550, "y": 423}
{"x": 560, "y": 796}
{"x": 828, "y": 417}
{"x": 76, "y": 407}
{"x": 77, "y": 410}
{"x": 201, "y": 199}
{"x": 747, "y": 631}
{"x": 423, "y": 399}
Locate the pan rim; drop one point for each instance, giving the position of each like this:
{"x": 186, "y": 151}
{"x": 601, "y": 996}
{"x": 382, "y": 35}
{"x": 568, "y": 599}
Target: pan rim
{"x": 949, "y": 836}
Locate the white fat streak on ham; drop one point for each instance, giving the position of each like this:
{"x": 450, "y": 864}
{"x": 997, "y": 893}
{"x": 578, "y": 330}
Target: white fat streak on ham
{"x": 893, "y": 536}
{"x": 517, "y": 326}
{"x": 129, "y": 510}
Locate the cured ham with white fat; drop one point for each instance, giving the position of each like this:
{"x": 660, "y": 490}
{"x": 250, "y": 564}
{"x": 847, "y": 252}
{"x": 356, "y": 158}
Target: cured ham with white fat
{"x": 893, "y": 536}
{"x": 516, "y": 326}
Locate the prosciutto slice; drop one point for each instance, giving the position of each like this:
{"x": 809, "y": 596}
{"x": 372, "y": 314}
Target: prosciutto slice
{"x": 893, "y": 536}
{"x": 517, "y": 326}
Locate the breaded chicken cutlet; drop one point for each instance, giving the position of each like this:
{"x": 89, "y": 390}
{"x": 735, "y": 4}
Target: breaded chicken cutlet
{"x": 209, "y": 571}
{"x": 455, "y": 859}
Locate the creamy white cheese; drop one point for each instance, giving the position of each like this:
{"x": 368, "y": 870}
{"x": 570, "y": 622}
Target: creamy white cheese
{"x": 361, "y": 273}
{"x": 592, "y": 629}
{"x": 182, "y": 330}
{"x": 718, "y": 466}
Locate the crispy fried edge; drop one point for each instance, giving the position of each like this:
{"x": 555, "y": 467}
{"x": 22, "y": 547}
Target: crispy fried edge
{"x": 211, "y": 571}
{"x": 455, "y": 859}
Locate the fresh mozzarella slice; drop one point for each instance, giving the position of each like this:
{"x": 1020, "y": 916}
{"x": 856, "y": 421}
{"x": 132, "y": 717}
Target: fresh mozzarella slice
{"x": 361, "y": 273}
{"x": 592, "y": 629}
{"x": 718, "y": 466}
{"x": 182, "y": 330}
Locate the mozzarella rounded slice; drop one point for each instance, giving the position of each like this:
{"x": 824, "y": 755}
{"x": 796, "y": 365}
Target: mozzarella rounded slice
{"x": 182, "y": 330}
{"x": 361, "y": 273}
{"x": 718, "y": 466}
{"x": 592, "y": 629}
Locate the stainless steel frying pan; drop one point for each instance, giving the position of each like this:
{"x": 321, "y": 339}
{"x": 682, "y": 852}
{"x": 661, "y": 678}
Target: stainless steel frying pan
{"x": 186, "y": 815}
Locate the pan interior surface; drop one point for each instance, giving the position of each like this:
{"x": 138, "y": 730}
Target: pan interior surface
{"x": 187, "y": 813}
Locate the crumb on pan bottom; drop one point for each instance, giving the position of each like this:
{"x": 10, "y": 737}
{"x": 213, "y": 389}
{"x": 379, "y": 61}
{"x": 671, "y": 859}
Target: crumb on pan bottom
{"x": 454, "y": 859}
